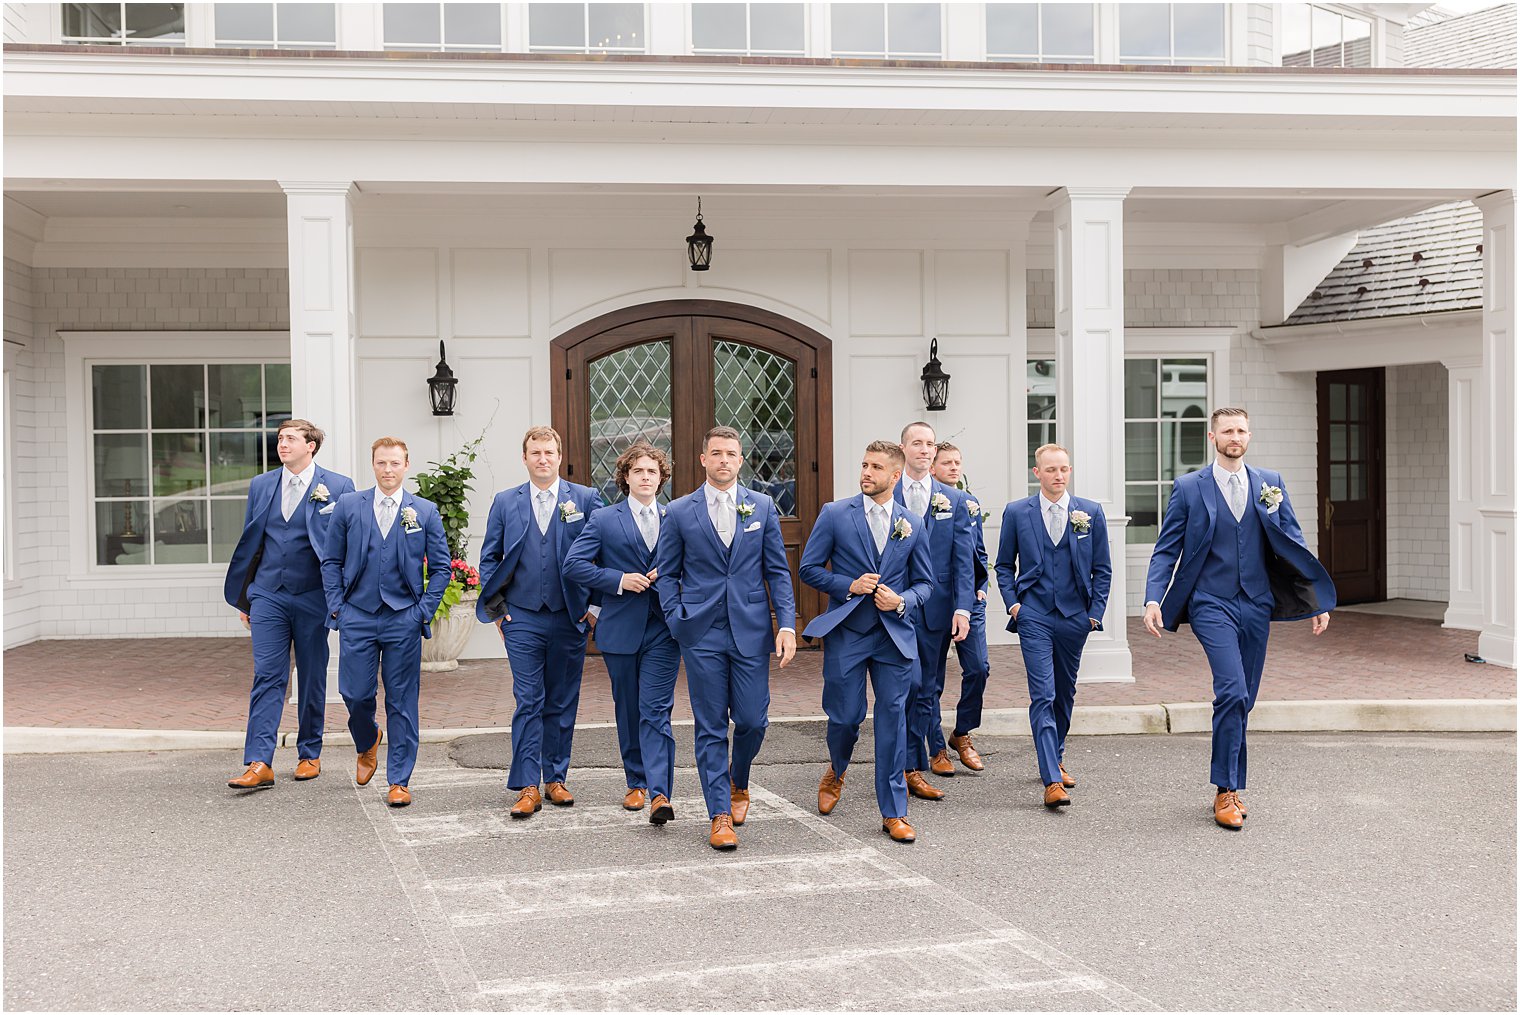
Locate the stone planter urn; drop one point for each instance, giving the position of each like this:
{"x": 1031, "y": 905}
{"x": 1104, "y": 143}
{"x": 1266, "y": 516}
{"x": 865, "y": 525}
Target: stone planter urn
{"x": 450, "y": 635}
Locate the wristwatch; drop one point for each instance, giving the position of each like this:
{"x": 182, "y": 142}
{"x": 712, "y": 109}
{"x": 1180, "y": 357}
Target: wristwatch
{"x": 902, "y": 608}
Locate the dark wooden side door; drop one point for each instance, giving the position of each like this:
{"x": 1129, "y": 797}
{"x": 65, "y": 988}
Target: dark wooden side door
{"x": 1353, "y": 540}
{"x": 667, "y": 372}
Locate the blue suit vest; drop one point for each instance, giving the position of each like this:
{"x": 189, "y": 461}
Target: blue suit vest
{"x": 382, "y": 581}
{"x": 1055, "y": 590}
{"x": 287, "y": 562}
{"x": 1237, "y": 555}
{"x": 535, "y": 581}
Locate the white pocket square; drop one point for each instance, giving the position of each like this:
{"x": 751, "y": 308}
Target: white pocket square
{"x": 1081, "y": 537}
{"x": 1273, "y": 509}
{"x": 328, "y": 509}
{"x": 752, "y": 526}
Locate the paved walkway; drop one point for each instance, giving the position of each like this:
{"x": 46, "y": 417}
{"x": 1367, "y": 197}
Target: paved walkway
{"x": 202, "y": 683}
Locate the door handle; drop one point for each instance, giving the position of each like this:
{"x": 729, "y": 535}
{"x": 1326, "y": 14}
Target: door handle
{"x": 1329, "y": 513}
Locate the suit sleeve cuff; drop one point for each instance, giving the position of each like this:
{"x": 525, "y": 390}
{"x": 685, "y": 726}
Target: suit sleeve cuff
{"x": 1152, "y": 602}
{"x": 784, "y": 630}
{"x": 595, "y": 611}
{"x": 963, "y": 613}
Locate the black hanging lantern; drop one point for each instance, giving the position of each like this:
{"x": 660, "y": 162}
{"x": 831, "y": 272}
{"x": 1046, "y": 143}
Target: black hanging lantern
{"x": 441, "y": 387}
{"x": 936, "y": 381}
{"x": 699, "y": 244}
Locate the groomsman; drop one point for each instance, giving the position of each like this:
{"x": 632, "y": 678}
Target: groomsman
{"x": 720, "y": 551}
{"x": 863, "y": 550}
{"x": 1057, "y": 599}
{"x": 1243, "y": 565}
{"x": 381, "y": 597}
{"x": 945, "y": 617}
{"x": 972, "y": 651}
{"x": 615, "y": 555}
{"x": 542, "y": 615}
{"x": 274, "y": 581}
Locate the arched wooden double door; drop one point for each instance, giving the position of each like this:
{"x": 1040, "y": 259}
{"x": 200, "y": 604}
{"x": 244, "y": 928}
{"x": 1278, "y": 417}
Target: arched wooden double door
{"x": 667, "y": 372}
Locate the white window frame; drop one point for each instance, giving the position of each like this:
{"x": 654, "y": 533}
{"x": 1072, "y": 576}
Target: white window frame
{"x": 1231, "y": 11}
{"x": 276, "y": 42}
{"x": 1376, "y": 37}
{"x": 1041, "y": 56}
{"x": 749, "y": 50}
{"x": 586, "y": 47}
{"x": 96, "y": 40}
{"x": 443, "y": 45}
{"x": 83, "y": 350}
{"x": 886, "y": 36}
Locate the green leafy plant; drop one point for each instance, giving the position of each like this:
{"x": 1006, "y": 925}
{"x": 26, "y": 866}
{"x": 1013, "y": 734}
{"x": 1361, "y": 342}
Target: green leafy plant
{"x": 447, "y": 485}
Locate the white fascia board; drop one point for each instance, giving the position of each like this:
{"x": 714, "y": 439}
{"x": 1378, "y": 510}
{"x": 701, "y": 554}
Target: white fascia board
{"x": 1375, "y": 342}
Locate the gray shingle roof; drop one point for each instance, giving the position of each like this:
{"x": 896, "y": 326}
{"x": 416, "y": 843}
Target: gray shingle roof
{"x": 1440, "y": 38}
{"x": 1384, "y": 277}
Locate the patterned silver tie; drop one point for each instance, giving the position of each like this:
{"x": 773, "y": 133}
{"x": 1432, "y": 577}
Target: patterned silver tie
{"x": 543, "y": 510}
{"x": 1055, "y": 523}
{"x": 292, "y": 497}
{"x": 879, "y": 527}
{"x": 649, "y": 527}
{"x": 918, "y": 499}
{"x": 1237, "y": 496}
{"x": 723, "y": 519}
{"x": 387, "y": 515}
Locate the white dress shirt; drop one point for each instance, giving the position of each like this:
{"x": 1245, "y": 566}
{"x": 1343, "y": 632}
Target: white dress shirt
{"x": 1045, "y": 505}
{"x": 305, "y": 476}
{"x": 1222, "y": 477}
{"x": 380, "y": 496}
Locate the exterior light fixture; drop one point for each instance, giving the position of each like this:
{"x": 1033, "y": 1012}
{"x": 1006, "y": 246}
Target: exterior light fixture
{"x": 699, "y": 244}
{"x": 936, "y": 382}
{"x": 441, "y": 386}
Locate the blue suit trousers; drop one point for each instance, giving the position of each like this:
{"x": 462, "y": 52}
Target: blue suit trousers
{"x": 643, "y": 694}
{"x": 282, "y": 621}
{"x": 925, "y": 736}
{"x": 1233, "y": 633}
{"x": 848, "y": 657}
{"x": 972, "y": 653}
{"x": 387, "y": 644}
{"x": 1052, "y": 648}
{"x": 726, "y": 685}
{"x": 546, "y": 654}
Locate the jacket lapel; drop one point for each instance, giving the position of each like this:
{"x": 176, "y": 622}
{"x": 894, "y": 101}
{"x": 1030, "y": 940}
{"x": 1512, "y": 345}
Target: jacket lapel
{"x": 863, "y": 529}
{"x": 631, "y": 529}
{"x": 1207, "y": 489}
{"x": 704, "y": 520}
{"x": 398, "y": 528}
{"x": 1035, "y": 512}
{"x": 1254, "y": 483}
{"x": 312, "y": 507}
{"x": 525, "y": 508}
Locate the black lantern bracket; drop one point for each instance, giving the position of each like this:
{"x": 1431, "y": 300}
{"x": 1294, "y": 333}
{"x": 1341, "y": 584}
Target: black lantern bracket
{"x": 935, "y": 381}
{"x": 442, "y": 386}
{"x": 699, "y": 244}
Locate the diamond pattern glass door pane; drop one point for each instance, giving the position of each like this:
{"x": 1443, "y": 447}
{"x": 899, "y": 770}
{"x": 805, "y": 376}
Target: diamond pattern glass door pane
{"x": 755, "y": 392}
{"x": 630, "y": 401}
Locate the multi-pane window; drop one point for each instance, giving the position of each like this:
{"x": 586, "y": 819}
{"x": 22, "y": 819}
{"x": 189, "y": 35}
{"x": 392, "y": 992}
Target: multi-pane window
{"x": 749, "y": 29}
{"x": 463, "y": 27}
{"x": 586, "y": 28}
{"x": 287, "y": 26}
{"x": 1313, "y": 36}
{"x": 1041, "y": 33}
{"x": 1171, "y": 33}
{"x": 124, "y": 24}
{"x": 174, "y": 447}
{"x": 1166, "y": 425}
{"x": 893, "y": 31}
{"x": 1040, "y": 392}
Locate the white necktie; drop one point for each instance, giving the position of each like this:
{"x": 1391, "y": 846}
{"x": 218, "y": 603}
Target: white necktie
{"x": 649, "y": 527}
{"x": 292, "y": 497}
{"x": 1237, "y": 497}
{"x": 1055, "y": 523}
{"x": 918, "y": 499}
{"x": 723, "y": 518}
{"x": 543, "y": 511}
{"x": 879, "y": 527}
{"x": 387, "y": 515}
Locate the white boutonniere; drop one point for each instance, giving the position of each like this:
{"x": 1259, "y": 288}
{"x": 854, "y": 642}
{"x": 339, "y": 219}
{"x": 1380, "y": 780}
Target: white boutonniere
{"x": 902, "y": 530}
{"x": 1271, "y": 496}
{"x": 568, "y": 512}
{"x": 746, "y": 509}
{"x": 976, "y": 511}
{"x": 409, "y": 520}
{"x": 319, "y": 493}
{"x": 1081, "y": 521}
{"x": 939, "y": 502}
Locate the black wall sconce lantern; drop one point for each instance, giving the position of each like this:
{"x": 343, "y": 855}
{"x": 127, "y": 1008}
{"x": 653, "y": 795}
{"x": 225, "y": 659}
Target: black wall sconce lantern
{"x": 442, "y": 386}
{"x": 699, "y": 244}
{"x": 936, "y": 381}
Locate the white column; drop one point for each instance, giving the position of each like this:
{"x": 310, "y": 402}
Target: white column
{"x": 1496, "y": 487}
{"x": 1089, "y": 254}
{"x": 1464, "y": 595}
{"x": 319, "y": 216}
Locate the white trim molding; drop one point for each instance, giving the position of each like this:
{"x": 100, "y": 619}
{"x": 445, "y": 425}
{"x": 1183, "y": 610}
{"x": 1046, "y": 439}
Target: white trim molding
{"x": 1375, "y": 342}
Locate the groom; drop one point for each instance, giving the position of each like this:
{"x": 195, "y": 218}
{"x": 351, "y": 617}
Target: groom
{"x": 1244, "y": 565}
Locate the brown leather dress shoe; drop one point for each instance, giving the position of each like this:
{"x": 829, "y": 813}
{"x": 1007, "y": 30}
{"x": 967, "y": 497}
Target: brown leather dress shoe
{"x": 369, "y": 761}
{"x": 308, "y": 768}
{"x": 919, "y": 787}
{"x": 898, "y": 829}
{"x": 1227, "y": 810}
{"x": 1055, "y": 796}
{"x": 1066, "y": 779}
{"x": 829, "y": 788}
{"x": 969, "y": 757}
{"x": 633, "y": 800}
{"x": 558, "y": 795}
{"x": 722, "y": 836}
{"x": 1241, "y": 804}
{"x": 660, "y": 810}
{"x": 529, "y": 802}
{"x": 258, "y": 776}
{"x": 399, "y": 796}
{"x": 739, "y": 800}
{"x": 941, "y": 764}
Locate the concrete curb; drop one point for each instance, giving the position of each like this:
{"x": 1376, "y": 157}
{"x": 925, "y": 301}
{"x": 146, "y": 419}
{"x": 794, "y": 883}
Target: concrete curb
{"x": 1420, "y": 715}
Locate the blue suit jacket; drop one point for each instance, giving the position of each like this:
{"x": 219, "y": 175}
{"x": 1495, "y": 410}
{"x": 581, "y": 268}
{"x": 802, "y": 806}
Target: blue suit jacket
{"x": 1025, "y": 538}
{"x": 697, "y": 574}
{"x": 1300, "y": 585}
{"x": 609, "y": 546}
{"x": 980, "y": 570}
{"x": 510, "y": 521}
{"x": 952, "y": 552}
{"x": 262, "y": 493}
{"x": 346, "y": 553}
{"x": 840, "y": 549}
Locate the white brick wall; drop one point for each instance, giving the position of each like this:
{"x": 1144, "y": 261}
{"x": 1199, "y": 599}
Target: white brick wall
{"x": 1418, "y": 508}
{"x": 52, "y": 605}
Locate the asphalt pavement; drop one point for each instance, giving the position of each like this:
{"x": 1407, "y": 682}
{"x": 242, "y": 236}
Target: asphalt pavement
{"x": 1376, "y": 871}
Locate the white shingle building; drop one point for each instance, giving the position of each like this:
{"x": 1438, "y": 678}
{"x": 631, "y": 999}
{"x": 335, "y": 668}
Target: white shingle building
{"x": 1111, "y": 216}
